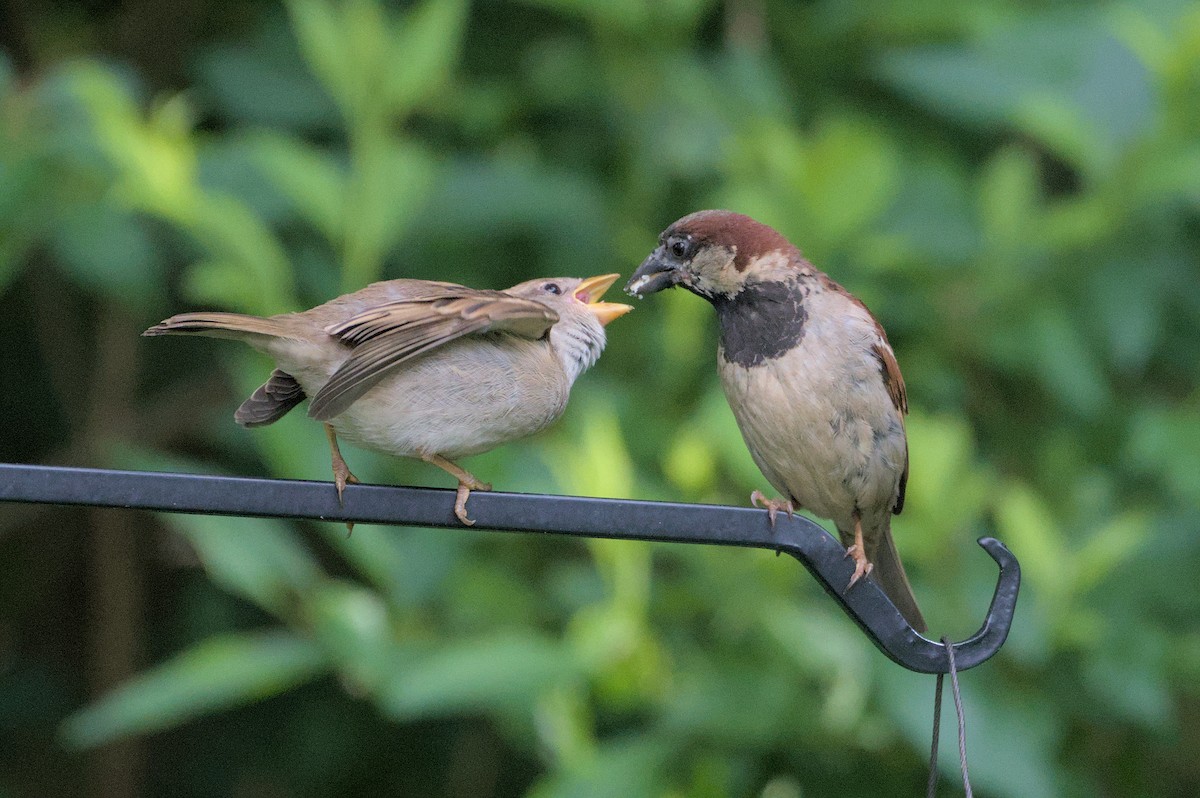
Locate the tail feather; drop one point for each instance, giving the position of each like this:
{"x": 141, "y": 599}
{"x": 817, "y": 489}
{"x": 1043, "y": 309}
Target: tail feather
{"x": 271, "y": 401}
{"x": 254, "y": 330}
{"x": 889, "y": 573}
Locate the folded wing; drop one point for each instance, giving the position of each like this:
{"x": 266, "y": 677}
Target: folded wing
{"x": 388, "y": 335}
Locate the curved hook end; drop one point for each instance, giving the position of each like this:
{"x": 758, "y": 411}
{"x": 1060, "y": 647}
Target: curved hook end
{"x": 1000, "y": 553}
{"x": 991, "y": 636}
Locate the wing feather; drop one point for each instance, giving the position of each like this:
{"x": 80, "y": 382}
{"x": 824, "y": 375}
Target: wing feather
{"x": 386, "y": 336}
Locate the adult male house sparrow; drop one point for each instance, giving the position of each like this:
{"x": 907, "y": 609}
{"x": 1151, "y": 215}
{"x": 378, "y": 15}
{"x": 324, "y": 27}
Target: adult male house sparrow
{"x": 811, "y": 379}
{"x": 424, "y": 369}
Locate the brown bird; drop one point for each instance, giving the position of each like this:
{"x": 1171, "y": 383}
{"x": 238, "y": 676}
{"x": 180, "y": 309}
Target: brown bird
{"x": 811, "y": 379}
{"x": 424, "y": 369}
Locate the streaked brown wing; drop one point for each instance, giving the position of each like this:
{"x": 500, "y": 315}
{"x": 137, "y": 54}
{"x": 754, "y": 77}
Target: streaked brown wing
{"x": 388, "y": 335}
{"x": 893, "y": 381}
{"x": 889, "y": 369}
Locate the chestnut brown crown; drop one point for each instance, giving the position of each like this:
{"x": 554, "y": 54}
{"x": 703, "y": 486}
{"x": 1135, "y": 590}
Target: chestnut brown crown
{"x": 713, "y": 254}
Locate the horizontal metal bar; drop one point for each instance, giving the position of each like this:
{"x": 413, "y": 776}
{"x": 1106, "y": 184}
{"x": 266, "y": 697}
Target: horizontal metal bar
{"x": 512, "y": 512}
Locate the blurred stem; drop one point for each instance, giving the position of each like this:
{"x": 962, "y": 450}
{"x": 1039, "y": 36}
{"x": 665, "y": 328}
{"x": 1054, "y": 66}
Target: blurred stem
{"x": 475, "y": 765}
{"x": 746, "y": 25}
{"x": 114, "y": 618}
{"x": 58, "y": 339}
{"x": 14, "y": 34}
{"x": 114, "y": 642}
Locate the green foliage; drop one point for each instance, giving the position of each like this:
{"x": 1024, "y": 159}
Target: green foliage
{"x": 219, "y": 673}
{"x": 1014, "y": 190}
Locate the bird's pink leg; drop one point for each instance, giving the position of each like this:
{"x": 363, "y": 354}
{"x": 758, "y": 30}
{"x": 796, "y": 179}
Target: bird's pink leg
{"x": 467, "y": 482}
{"x": 858, "y": 551}
{"x": 341, "y": 471}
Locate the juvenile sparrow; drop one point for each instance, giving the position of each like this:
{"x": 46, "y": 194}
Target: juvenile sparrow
{"x": 424, "y": 369}
{"x": 811, "y": 379}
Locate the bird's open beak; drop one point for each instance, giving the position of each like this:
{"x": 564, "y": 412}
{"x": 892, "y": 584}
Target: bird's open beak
{"x": 655, "y": 274}
{"x": 589, "y": 293}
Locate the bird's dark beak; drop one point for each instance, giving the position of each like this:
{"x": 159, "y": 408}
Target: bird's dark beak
{"x": 655, "y": 274}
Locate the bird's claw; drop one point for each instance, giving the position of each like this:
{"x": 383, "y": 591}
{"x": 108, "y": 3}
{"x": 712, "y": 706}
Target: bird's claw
{"x": 460, "y": 500}
{"x": 862, "y": 566}
{"x": 758, "y": 499}
{"x": 342, "y": 477}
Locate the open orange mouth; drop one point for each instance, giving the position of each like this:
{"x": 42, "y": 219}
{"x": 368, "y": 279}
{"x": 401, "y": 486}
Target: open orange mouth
{"x": 592, "y": 289}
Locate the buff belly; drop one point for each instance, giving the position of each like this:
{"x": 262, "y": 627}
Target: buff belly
{"x": 463, "y": 399}
{"x": 818, "y": 439}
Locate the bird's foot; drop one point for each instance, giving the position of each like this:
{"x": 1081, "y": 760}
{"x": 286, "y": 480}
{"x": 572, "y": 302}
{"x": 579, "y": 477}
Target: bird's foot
{"x": 862, "y": 566}
{"x": 341, "y": 471}
{"x": 464, "y": 492}
{"x": 774, "y": 506}
{"x": 342, "y": 475}
{"x": 467, "y": 482}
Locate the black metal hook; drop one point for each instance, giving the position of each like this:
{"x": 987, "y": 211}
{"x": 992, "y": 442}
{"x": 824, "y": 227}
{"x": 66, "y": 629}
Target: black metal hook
{"x": 809, "y": 543}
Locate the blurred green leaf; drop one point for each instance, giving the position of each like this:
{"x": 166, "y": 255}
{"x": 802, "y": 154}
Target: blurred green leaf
{"x": 262, "y": 81}
{"x": 1008, "y": 739}
{"x": 512, "y": 195}
{"x": 564, "y": 726}
{"x": 407, "y": 566}
{"x": 217, "y": 674}
{"x": 624, "y": 768}
{"x": 492, "y": 672}
{"x": 1010, "y": 200}
{"x": 1108, "y": 548}
{"x": 383, "y": 196}
{"x": 351, "y": 624}
{"x": 1060, "y": 75}
{"x": 849, "y": 177}
{"x": 632, "y": 16}
{"x": 946, "y": 493}
{"x": 840, "y": 661}
{"x": 322, "y": 41}
{"x": 1127, "y": 676}
{"x": 1024, "y": 520}
{"x": 110, "y": 252}
{"x": 309, "y": 178}
{"x": 1166, "y": 441}
{"x": 1067, "y": 366}
{"x": 253, "y": 274}
{"x": 424, "y": 51}
{"x": 257, "y": 558}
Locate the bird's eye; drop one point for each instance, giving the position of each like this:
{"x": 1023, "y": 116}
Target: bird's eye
{"x": 679, "y": 248}
{"x": 552, "y": 288}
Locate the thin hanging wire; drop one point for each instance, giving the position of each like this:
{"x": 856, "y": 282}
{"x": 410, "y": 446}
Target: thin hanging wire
{"x": 962, "y": 724}
{"x": 931, "y": 786}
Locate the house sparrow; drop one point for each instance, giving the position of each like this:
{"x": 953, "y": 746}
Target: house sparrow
{"x": 811, "y": 379}
{"x": 424, "y": 369}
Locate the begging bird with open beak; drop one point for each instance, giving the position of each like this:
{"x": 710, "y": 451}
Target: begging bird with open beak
{"x": 811, "y": 380}
{"x": 423, "y": 369}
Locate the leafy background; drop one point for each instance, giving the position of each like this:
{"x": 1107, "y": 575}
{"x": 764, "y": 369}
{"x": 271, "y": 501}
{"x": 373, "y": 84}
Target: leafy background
{"x": 1013, "y": 187}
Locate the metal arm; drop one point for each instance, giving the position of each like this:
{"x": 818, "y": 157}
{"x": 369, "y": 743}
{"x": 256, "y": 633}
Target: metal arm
{"x": 512, "y": 512}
